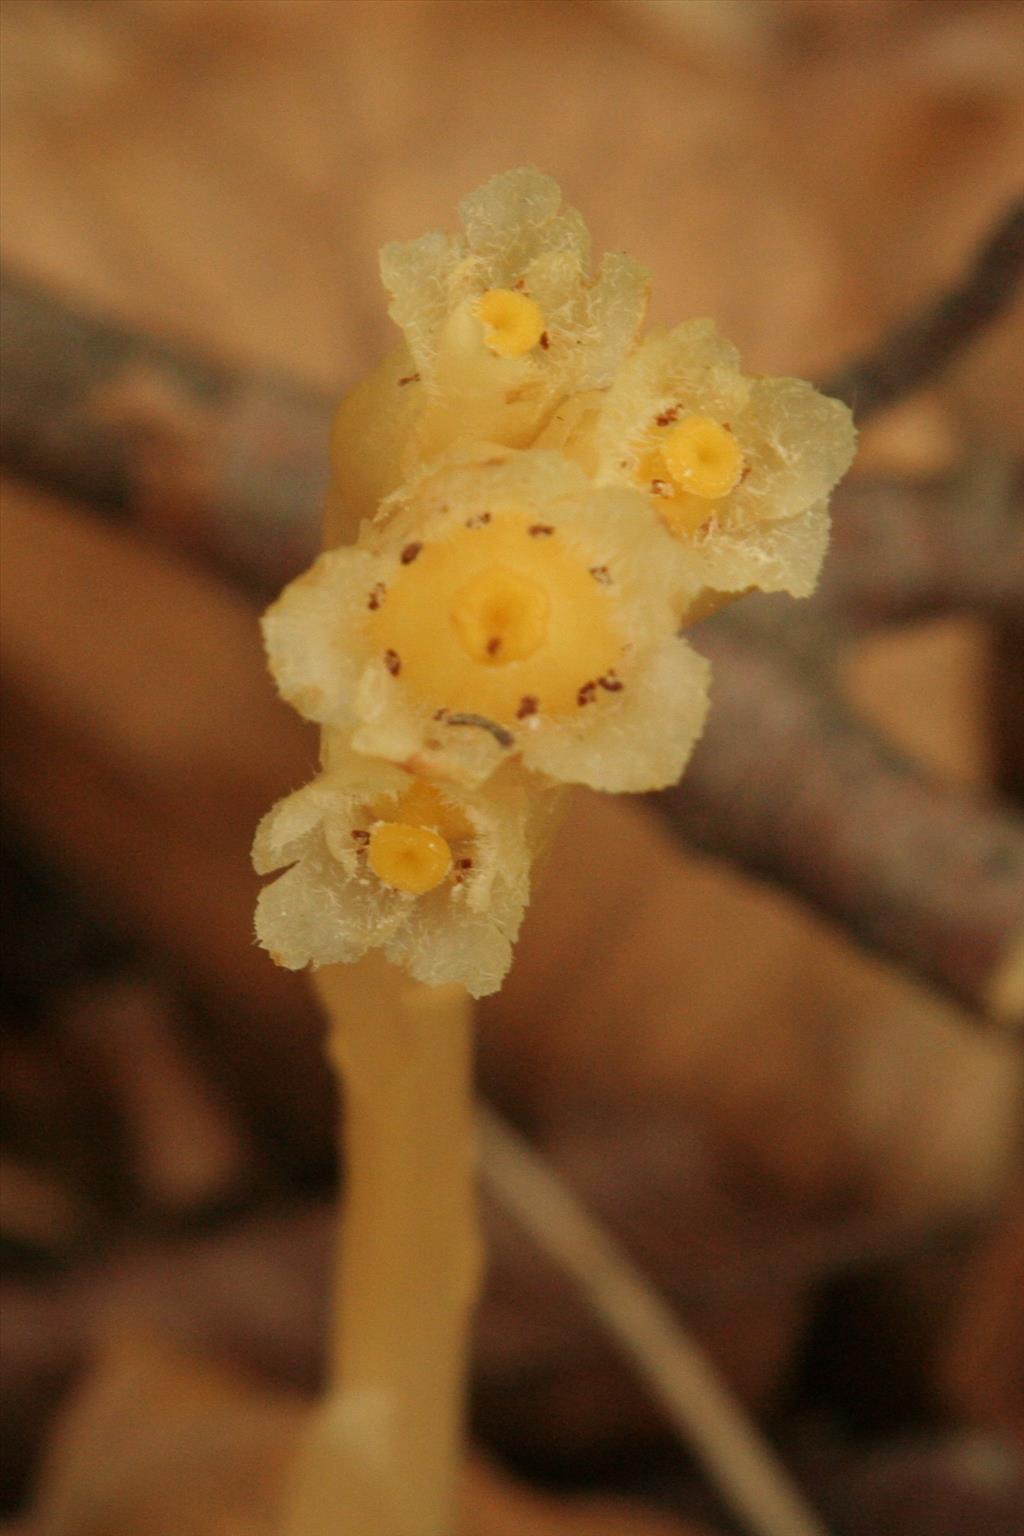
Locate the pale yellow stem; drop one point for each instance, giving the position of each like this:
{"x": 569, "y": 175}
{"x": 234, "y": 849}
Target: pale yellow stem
{"x": 383, "y": 1455}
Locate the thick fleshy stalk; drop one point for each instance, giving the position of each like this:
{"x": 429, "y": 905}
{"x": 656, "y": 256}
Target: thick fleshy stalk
{"x": 384, "y": 1451}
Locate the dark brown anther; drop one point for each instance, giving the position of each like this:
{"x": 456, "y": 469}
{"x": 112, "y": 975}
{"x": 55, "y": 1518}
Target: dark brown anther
{"x": 376, "y": 596}
{"x": 661, "y": 488}
{"x": 586, "y": 693}
{"x": 610, "y": 683}
{"x": 540, "y": 530}
{"x": 410, "y": 552}
{"x": 410, "y": 378}
{"x": 463, "y": 863}
{"x": 528, "y": 705}
{"x": 666, "y": 418}
{"x": 545, "y": 340}
{"x": 519, "y": 284}
{"x": 393, "y": 662}
{"x": 360, "y": 836}
{"x": 482, "y": 518}
{"x": 602, "y": 574}
{"x": 493, "y": 645}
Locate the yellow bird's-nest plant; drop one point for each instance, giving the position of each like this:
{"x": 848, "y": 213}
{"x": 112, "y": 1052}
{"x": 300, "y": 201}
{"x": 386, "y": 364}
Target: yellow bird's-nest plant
{"x": 544, "y": 500}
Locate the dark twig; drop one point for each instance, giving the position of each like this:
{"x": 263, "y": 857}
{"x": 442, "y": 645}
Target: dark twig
{"x": 919, "y": 349}
{"x": 228, "y": 463}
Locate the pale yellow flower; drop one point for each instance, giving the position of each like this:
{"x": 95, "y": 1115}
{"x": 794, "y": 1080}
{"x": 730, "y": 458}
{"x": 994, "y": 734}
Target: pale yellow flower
{"x": 434, "y": 876}
{"x": 504, "y": 319}
{"x": 739, "y": 469}
{"x": 501, "y": 607}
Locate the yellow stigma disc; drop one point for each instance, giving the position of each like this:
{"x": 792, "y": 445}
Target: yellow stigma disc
{"x": 702, "y": 457}
{"x": 411, "y": 859}
{"x": 501, "y": 616}
{"x": 513, "y": 324}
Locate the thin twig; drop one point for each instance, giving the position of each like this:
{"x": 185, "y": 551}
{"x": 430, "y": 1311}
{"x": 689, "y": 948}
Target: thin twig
{"x": 918, "y": 349}
{"x": 904, "y": 552}
{"x": 672, "y": 1364}
{"x": 790, "y": 784}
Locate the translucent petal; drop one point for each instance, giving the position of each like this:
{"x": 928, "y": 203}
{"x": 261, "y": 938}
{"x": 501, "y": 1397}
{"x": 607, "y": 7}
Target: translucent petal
{"x": 646, "y": 735}
{"x": 798, "y": 444}
{"x": 515, "y": 218}
{"x": 781, "y": 556}
{"x": 307, "y": 633}
{"x": 286, "y": 829}
{"x": 471, "y": 948}
{"x": 615, "y": 309}
{"x": 417, "y": 275}
{"x": 309, "y": 914}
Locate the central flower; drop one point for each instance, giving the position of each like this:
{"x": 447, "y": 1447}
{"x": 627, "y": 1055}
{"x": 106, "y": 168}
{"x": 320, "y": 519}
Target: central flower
{"x": 499, "y": 607}
{"x": 502, "y": 619}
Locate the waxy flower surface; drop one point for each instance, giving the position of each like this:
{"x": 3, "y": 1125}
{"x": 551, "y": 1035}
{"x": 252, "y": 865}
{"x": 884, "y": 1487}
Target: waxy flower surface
{"x": 437, "y": 878}
{"x": 739, "y": 469}
{"x": 502, "y": 607}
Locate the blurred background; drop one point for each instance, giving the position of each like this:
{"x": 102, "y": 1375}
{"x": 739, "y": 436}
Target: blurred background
{"x": 815, "y": 1157}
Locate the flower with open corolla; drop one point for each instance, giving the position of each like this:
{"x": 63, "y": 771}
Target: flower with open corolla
{"x": 501, "y": 607}
{"x": 504, "y": 320}
{"x": 738, "y": 469}
{"x": 435, "y": 877}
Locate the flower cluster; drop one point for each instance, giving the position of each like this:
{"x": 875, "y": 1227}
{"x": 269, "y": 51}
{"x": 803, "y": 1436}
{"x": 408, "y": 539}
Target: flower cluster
{"x": 549, "y": 499}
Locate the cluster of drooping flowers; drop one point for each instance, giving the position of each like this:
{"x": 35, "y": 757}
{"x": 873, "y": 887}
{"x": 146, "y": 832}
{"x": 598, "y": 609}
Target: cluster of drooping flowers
{"x": 529, "y": 503}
